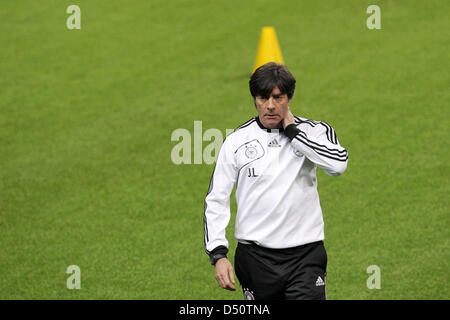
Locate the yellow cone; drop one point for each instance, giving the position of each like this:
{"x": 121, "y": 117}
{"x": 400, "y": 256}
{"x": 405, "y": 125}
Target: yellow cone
{"x": 268, "y": 48}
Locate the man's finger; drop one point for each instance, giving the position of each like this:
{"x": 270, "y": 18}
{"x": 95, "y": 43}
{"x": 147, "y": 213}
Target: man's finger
{"x": 225, "y": 283}
{"x": 231, "y": 274}
{"x": 230, "y": 287}
{"x": 220, "y": 281}
{"x": 228, "y": 284}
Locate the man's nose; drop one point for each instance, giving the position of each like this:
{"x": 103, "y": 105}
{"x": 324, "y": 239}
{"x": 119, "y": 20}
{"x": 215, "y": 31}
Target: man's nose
{"x": 270, "y": 104}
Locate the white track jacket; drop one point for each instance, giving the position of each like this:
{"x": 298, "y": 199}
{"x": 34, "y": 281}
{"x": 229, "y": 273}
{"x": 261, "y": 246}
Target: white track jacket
{"x": 274, "y": 171}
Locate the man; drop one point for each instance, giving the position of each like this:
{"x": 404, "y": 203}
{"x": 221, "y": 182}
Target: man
{"x": 272, "y": 160}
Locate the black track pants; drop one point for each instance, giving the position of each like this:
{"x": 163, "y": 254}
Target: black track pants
{"x": 274, "y": 274}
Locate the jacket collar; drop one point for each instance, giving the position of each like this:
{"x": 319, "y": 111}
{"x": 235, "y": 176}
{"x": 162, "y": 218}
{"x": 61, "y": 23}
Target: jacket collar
{"x": 267, "y": 129}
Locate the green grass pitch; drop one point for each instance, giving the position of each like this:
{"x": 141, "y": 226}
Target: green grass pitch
{"x": 86, "y": 117}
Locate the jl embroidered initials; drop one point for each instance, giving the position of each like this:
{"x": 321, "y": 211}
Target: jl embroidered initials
{"x": 251, "y": 173}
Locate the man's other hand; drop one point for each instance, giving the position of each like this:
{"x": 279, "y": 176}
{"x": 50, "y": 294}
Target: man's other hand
{"x": 225, "y": 274}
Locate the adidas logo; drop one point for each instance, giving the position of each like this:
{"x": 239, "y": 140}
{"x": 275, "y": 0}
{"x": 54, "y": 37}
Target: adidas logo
{"x": 274, "y": 143}
{"x": 319, "y": 282}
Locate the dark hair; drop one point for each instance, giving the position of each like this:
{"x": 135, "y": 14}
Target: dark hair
{"x": 269, "y": 76}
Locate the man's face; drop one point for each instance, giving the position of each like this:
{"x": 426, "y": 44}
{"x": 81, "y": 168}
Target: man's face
{"x": 272, "y": 109}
